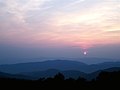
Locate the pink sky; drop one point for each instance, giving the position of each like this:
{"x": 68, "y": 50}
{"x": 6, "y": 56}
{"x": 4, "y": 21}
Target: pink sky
{"x": 78, "y": 23}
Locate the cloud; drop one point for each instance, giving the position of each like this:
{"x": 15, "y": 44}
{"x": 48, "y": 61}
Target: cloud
{"x": 74, "y": 3}
{"x": 26, "y": 21}
{"x": 35, "y": 4}
{"x": 113, "y": 32}
{"x": 19, "y": 9}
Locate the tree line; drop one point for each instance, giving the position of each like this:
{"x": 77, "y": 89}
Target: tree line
{"x": 105, "y": 80}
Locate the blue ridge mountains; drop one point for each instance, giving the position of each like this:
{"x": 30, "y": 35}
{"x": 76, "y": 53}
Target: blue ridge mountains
{"x": 73, "y": 69}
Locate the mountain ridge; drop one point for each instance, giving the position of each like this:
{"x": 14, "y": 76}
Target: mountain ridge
{"x": 50, "y": 73}
{"x": 56, "y": 64}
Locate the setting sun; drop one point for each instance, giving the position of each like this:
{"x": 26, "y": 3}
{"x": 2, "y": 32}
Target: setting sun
{"x": 85, "y": 53}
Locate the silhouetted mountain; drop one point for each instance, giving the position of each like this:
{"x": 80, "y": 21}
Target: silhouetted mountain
{"x": 112, "y": 69}
{"x": 102, "y": 66}
{"x": 4, "y": 74}
{"x": 61, "y": 65}
{"x": 93, "y": 75}
{"x": 17, "y": 76}
{"x": 45, "y": 65}
{"x": 52, "y": 72}
{"x": 94, "y": 60}
{"x": 73, "y": 74}
{"x": 42, "y": 74}
{"x": 68, "y": 73}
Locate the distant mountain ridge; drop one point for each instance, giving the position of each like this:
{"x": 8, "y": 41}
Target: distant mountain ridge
{"x": 52, "y": 72}
{"x": 62, "y": 65}
{"x": 41, "y": 66}
{"x": 18, "y": 76}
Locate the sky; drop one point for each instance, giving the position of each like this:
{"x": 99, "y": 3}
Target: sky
{"x": 54, "y": 29}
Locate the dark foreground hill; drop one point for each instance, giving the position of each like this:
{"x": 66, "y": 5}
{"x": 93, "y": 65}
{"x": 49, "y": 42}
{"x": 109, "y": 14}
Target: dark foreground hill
{"x": 105, "y": 80}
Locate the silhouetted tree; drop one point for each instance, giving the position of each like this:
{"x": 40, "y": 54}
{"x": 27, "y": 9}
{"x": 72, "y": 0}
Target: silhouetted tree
{"x": 108, "y": 79}
{"x": 59, "y": 77}
{"x": 105, "y": 80}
